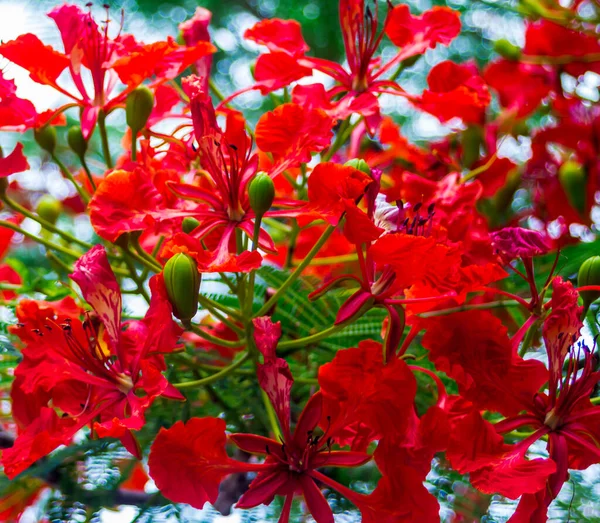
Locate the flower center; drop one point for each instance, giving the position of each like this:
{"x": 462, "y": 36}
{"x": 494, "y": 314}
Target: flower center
{"x": 552, "y": 420}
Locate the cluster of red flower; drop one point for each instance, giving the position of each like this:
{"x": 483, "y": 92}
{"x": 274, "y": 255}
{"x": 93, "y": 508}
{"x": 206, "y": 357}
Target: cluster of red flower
{"x": 426, "y": 233}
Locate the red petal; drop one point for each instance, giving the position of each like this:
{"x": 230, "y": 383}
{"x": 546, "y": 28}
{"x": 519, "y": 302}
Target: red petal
{"x": 266, "y": 336}
{"x": 439, "y": 25}
{"x": 43, "y": 63}
{"x": 291, "y": 133}
{"x": 276, "y": 70}
{"x": 15, "y": 162}
{"x": 315, "y": 500}
{"x": 188, "y": 461}
{"x": 100, "y": 289}
{"x": 473, "y": 348}
{"x": 278, "y": 35}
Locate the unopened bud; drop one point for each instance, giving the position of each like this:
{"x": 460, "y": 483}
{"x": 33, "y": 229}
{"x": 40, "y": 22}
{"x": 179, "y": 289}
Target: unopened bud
{"x": 46, "y": 138}
{"x": 49, "y": 208}
{"x": 589, "y": 274}
{"x": 359, "y": 164}
{"x": 182, "y": 281}
{"x": 76, "y": 141}
{"x": 507, "y": 50}
{"x": 138, "y": 107}
{"x": 189, "y": 224}
{"x": 572, "y": 177}
{"x": 261, "y": 193}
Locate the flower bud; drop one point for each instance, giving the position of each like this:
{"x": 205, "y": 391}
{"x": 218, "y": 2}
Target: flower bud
{"x": 261, "y": 193}
{"x": 189, "y": 224}
{"x": 182, "y": 281}
{"x": 589, "y": 274}
{"x": 138, "y": 107}
{"x": 49, "y": 208}
{"x": 573, "y": 178}
{"x": 76, "y": 141}
{"x": 359, "y": 164}
{"x": 46, "y": 138}
{"x": 507, "y": 50}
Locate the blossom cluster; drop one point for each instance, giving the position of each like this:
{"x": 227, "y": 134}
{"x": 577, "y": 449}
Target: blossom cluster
{"x": 477, "y": 357}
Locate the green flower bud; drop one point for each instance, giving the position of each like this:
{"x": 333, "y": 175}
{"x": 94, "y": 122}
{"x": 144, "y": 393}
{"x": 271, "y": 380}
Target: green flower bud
{"x": 76, "y": 141}
{"x": 573, "y": 178}
{"x": 507, "y": 50}
{"x": 589, "y": 274}
{"x": 189, "y": 224}
{"x": 138, "y": 107}
{"x": 182, "y": 281}
{"x": 49, "y": 208}
{"x": 359, "y": 164}
{"x": 261, "y": 193}
{"x": 46, "y": 138}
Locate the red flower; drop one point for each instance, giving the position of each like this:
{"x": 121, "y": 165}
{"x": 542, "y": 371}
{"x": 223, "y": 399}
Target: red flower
{"x": 107, "y": 59}
{"x": 455, "y": 91}
{"x": 100, "y": 371}
{"x": 564, "y": 413}
{"x": 289, "y": 466}
{"x": 521, "y": 87}
{"x": 14, "y": 163}
{"x": 229, "y": 166}
{"x": 360, "y": 84}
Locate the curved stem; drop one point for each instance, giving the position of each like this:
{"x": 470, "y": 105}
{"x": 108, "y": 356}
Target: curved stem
{"x": 215, "y": 377}
{"x": 217, "y": 341}
{"x": 104, "y": 138}
{"x": 297, "y": 272}
{"x": 67, "y": 174}
{"x": 308, "y": 340}
{"x": 45, "y": 224}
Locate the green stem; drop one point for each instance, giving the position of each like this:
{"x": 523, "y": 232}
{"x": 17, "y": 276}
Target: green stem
{"x": 55, "y": 259}
{"x": 215, "y": 377}
{"x": 271, "y": 415}
{"x": 137, "y": 280}
{"x": 206, "y": 303}
{"x": 38, "y": 239}
{"x": 595, "y": 400}
{"x": 297, "y": 272}
{"x": 134, "y": 146}
{"x": 308, "y": 340}
{"x": 213, "y": 339}
{"x": 88, "y": 173}
{"x": 501, "y": 304}
{"x": 104, "y": 138}
{"x": 331, "y": 260}
{"x": 63, "y": 169}
{"x": 45, "y": 224}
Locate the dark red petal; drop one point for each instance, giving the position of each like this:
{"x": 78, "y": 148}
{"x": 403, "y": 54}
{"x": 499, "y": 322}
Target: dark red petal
{"x": 315, "y": 500}
{"x": 188, "y": 461}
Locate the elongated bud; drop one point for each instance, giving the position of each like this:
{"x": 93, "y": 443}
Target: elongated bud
{"x": 49, "y": 208}
{"x": 138, "y": 107}
{"x": 261, "y": 193}
{"x": 572, "y": 177}
{"x": 46, "y": 138}
{"x": 589, "y": 274}
{"x": 182, "y": 281}
{"x": 359, "y": 164}
{"x": 507, "y": 50}
{"x": 76, "y": 141}
{"x": 189, "y": 224}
